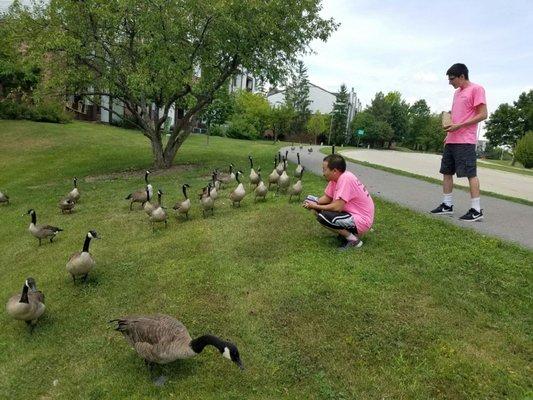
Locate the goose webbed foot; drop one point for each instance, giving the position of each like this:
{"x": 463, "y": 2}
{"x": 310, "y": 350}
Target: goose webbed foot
{"x": 85, "y": 278}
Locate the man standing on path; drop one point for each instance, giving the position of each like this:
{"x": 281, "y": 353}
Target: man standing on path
{"x": 459, "y": 157}
{"x": 346, "y": 206}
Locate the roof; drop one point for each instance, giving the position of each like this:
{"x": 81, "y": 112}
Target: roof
{"x": 274, "y": 91}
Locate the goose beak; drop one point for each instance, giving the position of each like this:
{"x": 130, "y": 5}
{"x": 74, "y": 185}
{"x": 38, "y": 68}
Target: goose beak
{"x": 240, "y": 364}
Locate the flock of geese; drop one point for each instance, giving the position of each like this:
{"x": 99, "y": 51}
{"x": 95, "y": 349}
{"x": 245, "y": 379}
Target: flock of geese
{"x": 158, "y": 339}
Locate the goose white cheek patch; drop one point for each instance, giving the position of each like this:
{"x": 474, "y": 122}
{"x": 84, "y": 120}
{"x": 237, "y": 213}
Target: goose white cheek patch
{"x": 226, "y": 353}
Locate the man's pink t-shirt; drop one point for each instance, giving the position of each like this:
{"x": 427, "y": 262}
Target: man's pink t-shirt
{"x": 358, "y": 201}
{"x": 464, "y": 106}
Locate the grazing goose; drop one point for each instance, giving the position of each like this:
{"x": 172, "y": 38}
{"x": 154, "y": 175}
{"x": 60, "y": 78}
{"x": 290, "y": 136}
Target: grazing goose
{"x": 296, "y": 189}
{"x": 292, "y": 146}
{"x": 66, "y": 204}
{"x": 42, "y": 231}
{"x": 158, "y": 214}
{"x": 299, "y": 168}
{"x": 4, "y": 198}
{"x": 26, "y": 306}
{"x": 207, "y": 202}
{"x": 81, "y": 263}
{"x": 238, "y": 194}
{"x": 261, "y": 190}
{"x": 284, "y": 179}
{"x": 148, "y": 206}
{"x": 140, "y": 195}
{"x": 74, "y": 194}
{"x": 273, "y": 178}
{"x": 254, "y": 178}
{"x": 184, "y": 206}
{"x": 226, "y": 178}
{"x": 161, "y": 339}
{"x": 310, "y": 149}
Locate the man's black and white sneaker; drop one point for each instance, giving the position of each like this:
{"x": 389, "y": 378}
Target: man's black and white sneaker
{"x": 351, "y": 244}
{"x": 443, "y": 209}
{"x": 472, "y": 215}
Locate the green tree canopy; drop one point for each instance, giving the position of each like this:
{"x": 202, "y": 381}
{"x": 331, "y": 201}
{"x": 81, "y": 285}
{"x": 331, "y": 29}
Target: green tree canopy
{"x": 164, "y": 52}
{"x": 297, "y": 98}
{"x": 339, "y": 116}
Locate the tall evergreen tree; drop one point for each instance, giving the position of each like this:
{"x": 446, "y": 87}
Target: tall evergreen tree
{"x": 297, "y": 98}
{"x": 339, "y": 117}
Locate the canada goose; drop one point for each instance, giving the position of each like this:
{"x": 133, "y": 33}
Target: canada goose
{"x": 184, "y": 206}
{"x": 26, "y": 306}
{"x": 310, "y": 149}
{"x": 158, "y": 214}
{"x": 273, "y": 178}
{"x": 254, "y": 178}
{"x": 214, "y": 191}
{"x": 82, "y": 262}
{"x": 148, "y": 206}
{"x": 333, "y": 149}
{"x": 140, "y": 195}
{"x": 299, "y": 168}
{"x": 226, "y": 178}
{"x": 42, "y": 231}
{"x": 296, "y": 189}
{"x": 238, "y": 194}
{"x": 66, "y": 204}
{"x": 216, "y": 182}
{"x": 161, "y": 339}
{"x": 284, "y": 179}
{"x": 74, "y": 194}
{"x": 261, "y": 190}
{"x": 292, "y": 146}
{"x": 279, "y": 168}
{"x": 207, "y": 202}
{"x": 4, "y": 198}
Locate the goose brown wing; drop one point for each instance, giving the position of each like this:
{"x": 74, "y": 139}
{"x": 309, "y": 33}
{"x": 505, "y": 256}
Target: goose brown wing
{"x": 36, "y": 296}
{"x": 152, "y": 329}
{"x": 51, "y": 228}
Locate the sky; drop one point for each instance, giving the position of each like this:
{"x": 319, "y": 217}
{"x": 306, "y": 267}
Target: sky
{"x": 407, "y": 46}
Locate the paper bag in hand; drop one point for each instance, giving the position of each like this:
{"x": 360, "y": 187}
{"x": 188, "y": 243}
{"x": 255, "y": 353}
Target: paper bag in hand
{"x": 446, "y": 118}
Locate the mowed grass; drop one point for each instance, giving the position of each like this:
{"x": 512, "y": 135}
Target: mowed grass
{"x": 425, "y": 310}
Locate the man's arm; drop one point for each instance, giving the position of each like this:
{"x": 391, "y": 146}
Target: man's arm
{"x": 337, "y": 205}
{"x": 481, "y": 115}
{"x": 325, "y": 199}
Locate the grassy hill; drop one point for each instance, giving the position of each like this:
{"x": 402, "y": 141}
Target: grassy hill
{"x": 424, "y": 310}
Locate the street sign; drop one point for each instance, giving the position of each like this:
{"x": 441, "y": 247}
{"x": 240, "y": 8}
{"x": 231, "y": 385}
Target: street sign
{"x": 360, "y": 132}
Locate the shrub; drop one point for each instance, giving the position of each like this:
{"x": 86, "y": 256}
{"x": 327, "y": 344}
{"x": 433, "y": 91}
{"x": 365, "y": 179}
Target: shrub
{"x": 217, "y": 130}
{"x": 241, "y": 128}
{"x": 50, "y": 112}
{"x": 523, "y": 151}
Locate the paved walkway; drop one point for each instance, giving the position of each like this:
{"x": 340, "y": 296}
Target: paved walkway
{"x": 505, "y": 219}
{"x": 492, "y": 180}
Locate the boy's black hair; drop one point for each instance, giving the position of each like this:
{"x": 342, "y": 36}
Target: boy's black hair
{"x": 458, "y": 70}
{"x": 336, "y": 161}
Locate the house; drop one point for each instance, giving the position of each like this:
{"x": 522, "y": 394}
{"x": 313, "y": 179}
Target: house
{"x": 321, "y": 100}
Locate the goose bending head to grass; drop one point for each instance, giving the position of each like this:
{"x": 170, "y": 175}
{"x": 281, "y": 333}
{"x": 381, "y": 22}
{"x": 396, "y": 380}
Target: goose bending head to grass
{"x": 254, "y": 177}
{"x": 162, "y": 339}
{"x": 66, "y": 205}
{"x": 74, "y": 194}
{"x": 82, "y": 262}
{"x": 273, "y": 178}
{"x": 4, "y": 198}
{"x": 140, "y": 195}
{"x": 238, "y": 194}
{"x": 184, "y": 206}
{"x": 159, "y": 213}
{"x": 207, "y": 202}
{"x": 27, "y": 306}
{"x": 42, "y": 231}
{"x": 296, "y": 189}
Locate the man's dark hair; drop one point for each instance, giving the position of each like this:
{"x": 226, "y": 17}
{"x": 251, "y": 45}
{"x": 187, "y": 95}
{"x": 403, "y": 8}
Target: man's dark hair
{"x": 336, "y": 161}
{"x": 458, "y": 70}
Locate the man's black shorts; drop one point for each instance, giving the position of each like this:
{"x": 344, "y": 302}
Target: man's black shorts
{"x": 460, "y": 159}
{"x": 337, "y": 220}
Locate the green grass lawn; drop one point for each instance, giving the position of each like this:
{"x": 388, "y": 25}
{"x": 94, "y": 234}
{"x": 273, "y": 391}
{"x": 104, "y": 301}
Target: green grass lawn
{"x": 424, "y": 310}
{"x": 506, "y": 166}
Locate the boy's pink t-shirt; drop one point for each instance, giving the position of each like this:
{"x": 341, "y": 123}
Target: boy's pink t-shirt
{"x": 464, "y": 106}
{"x": 358, "y": 201}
